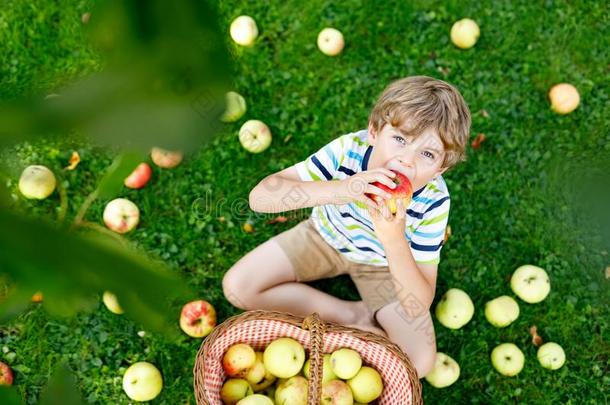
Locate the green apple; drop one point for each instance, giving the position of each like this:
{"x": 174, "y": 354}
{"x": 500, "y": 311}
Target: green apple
{"x": 455, "y": 309}
{"x": 235, "y": 389}
{"x": 530, "y": 283}
{"x": 564, "y": 98}
{"x": 330, "y": 41}
{"x": 238, "y": 359}
{"x": 255, "y": 136}
{"x": 501, "y": 311}
{"x": 446, "y": 371}
{"x": 345, "y": 363}
{"x": 112, "y": 303}
{"x": 366, "y": 385}
{"x": 464, "y": 33}
{"x": 336, "y": 392}
{"x": 121, "y": 215}
{"x": 37, "y": 182}
{"x": 551, "y": 356}
{"x": 142, "y": 381}
{"x": 327, "y": 369}
{"x": 236, "y": 107}
{"x": 292, "y": 391}
{"x": 284, "y": 357}
{"x": 256, "y": 373}
{"x": 508, "y": 359}
{"x": 243, "y": 30}
{"x": 256, "y": 399}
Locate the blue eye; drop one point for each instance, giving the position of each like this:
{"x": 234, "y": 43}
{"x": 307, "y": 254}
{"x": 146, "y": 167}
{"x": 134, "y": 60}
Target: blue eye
{"x": 431, "y": 156}
{"x": 400, "y": 139}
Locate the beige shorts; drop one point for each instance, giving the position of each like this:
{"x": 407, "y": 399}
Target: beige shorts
{"x": 313, "y": 259}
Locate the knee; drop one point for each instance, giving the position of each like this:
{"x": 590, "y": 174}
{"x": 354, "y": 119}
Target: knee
{"x": 424, "y": 361}
{"x": 235, "y": 287}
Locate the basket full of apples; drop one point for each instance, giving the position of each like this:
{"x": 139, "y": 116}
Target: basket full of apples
{"x": 268, "y": 357}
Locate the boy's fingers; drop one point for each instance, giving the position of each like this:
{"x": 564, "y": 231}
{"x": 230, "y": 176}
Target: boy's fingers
{"x": 400, "y": 208}
{"x": 382, "y": 178}
{"x": 371, "y": 189}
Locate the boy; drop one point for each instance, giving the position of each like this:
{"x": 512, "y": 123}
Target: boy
{"x": 419, "y": 127}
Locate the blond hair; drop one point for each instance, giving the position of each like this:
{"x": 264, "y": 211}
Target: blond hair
{"x": 427, "y": 103}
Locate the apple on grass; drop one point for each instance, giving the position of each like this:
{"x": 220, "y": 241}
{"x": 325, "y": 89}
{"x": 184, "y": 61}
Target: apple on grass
{"x": 530, "y": 283}
{"x": 37, "y": 182}
{"x": 256, "y": 399}
{"x": 551, "y": 356}
{"x": 336, "y": 392}
{"x": 255, "y": 136}
{"x": 292, "y": 391}
{"x": 238, "y": 359}
{"x": 235, "y": 389}
{"x": 139, "y": 177}
{"x": 198, "y": 318}
{"x": 112, "y": 303}
{"x": 455, "y": 309}
{"x": 121, "y": 215}
{"x": 142, "y": 381}
{"x": 507, "y": 359}
{"x": 243, "y": 30}
{"x": 166, "y": 159}
{"x": 465, "y": 33}
{"x": 446, "y": 371}
{"x": 564, "y": 98}
{"x": 367, "y": 385}
{"x": 501, "y": 311}
{"x": 236, "y": 107}
{"x": 284, "y": 357}
{"x": 327, "y": 369}
{"x": 403, "y": 190}
{"x": 330, "y": 41}
{"x": 6, "y": 374}
{"x": 345, "y": 363}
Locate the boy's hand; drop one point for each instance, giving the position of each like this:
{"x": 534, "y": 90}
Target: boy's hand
{"x": 357, "y": 186}
{"x": 389, "y": 227}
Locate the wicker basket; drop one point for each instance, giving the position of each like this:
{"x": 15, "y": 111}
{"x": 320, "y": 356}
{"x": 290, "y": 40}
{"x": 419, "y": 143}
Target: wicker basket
{"x": 259, "y": 328}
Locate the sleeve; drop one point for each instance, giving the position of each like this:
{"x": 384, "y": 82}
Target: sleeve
{"x": 428, "y": 237}
{"x": 323, "y": 164}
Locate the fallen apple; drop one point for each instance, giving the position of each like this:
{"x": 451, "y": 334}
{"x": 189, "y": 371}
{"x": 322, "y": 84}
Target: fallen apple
{"x": 139, "y": 177}
{"x": 142, "y": 381}
{"x": 551, "y": 356}
{"x": 336, "y": 392}
{"x": 243, "y": 30}
{"x": 330, "y": 41}
{"x": 284, "y": 357}
{"x": 235, "y": 389}
{"x": 37, "y": 182}
{"x": 530, "y": 283}
{"x": 166, "y": 159}
{"x": 121, "y": 215}
{"x": 403, "y": 190}
{"x": 564, "y": 98}
{"x": 37, "y": 297}
{"x": 455, "y": 309}
{"x": 465, "y": 33}
{"x": 507, "y": 359}
{"x": 112, "y": 303}
{"x": 501, "y": 311}
{"x": 236, "y": 107}
{"x": 238, "y": 359}
{"x": 255, "y": 136}
{"x": 6, "y": 374}
{"x": 367, "y": 385}
{"x": 256, "y": 373}
{"x": 327, "y": 369}
{"x": 198, "y": 318}
{"x": 292, "y": 391}
{"x": 256, "y": 399}
{"x": 345, "y": 363}
{"x": 446, "y": 371}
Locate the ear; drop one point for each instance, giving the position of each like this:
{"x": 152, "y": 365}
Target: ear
{"x": 372, "y": 135}
{"x": 440, "y": 171}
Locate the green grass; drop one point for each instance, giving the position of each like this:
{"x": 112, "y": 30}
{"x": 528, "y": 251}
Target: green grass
{"x": 510, "y": 204}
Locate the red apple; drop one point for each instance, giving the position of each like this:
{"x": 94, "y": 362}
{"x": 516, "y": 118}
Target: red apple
{"x": 403, "y": 190}
{"x": 139, "y": 177}
{"x": 198, "y": 318}
{"x": 121, "y": 215}
{"x": 165, "y": 159}
{"x": 6, "y": 374}
{"x": 238, "y": 359}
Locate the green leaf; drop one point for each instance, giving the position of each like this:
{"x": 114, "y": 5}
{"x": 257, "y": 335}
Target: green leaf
{"x": 9, "y": 396}
{"x": 62, "y": 389}
{"x": 112, "y": 182}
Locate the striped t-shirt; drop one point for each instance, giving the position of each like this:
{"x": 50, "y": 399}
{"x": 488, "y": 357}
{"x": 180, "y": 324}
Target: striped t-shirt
{"x": 349, "y": 228}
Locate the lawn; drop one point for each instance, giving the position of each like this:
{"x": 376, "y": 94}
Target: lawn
{"x": 516, "y": 200}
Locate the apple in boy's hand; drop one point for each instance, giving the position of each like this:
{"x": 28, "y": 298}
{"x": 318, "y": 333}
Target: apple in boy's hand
{"x": 198, "y": 318}
{"x": 284, "y": 357}
{"x": 238, "y": 359}
{"x": 446, "y": 371}
{"x": 139, "y": 177}
{"x": 403, "y": 190}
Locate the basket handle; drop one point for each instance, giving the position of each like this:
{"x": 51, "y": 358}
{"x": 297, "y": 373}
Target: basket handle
{"x": 316, "y": 327}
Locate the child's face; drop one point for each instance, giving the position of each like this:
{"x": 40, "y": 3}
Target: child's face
{"x": 419, "y": 159}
